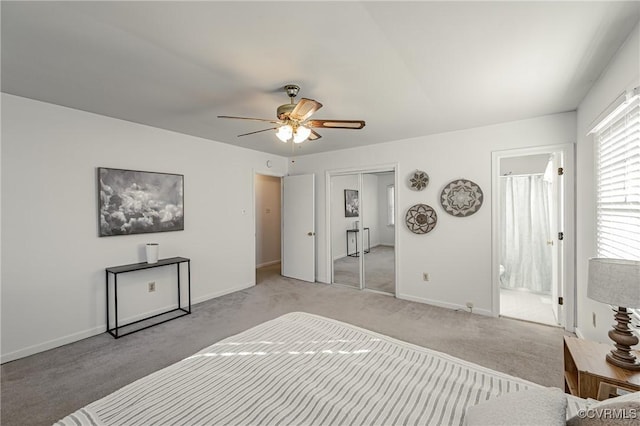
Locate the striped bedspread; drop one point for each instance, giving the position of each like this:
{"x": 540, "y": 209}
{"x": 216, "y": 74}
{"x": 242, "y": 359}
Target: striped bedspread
{"x": 302, "y": 369}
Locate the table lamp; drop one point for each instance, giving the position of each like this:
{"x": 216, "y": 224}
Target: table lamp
{"x": 617, "y": 282}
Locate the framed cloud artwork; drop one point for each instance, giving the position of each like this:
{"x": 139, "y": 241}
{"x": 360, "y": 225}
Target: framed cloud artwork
{"x": 137, "y": 202}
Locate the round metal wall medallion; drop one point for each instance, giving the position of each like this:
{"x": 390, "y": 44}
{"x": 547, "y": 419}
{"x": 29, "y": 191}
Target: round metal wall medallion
{"x": 419, "y": 180}
{"x": 461, "y": 197}
{"x": 421, "y": 218}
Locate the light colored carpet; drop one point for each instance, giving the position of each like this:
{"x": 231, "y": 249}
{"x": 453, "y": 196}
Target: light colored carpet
{"x": 40, "y": 389}
{"x": 379, "y": 270}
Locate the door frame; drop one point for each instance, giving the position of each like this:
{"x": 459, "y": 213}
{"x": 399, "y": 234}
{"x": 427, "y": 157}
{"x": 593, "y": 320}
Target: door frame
{"x": 391, "y": 167}
{"x": 254, "y": 173}
{"x": 568, "y": 314}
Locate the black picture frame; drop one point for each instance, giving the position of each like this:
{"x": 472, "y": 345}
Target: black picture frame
{"x": 139, "y": 202}
{"x": 351, "y": 203}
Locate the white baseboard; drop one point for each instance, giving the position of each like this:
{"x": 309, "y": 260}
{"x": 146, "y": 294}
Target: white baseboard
{"x": 74, "y": 337}
{"x": 440, "y": 304}
{"x": 262, "y": 265}
{"x": 340, "y": 256}
{"x": 579, "y": 333}
{"x": 222, "y": 293}
{"x": 41, "y": 347}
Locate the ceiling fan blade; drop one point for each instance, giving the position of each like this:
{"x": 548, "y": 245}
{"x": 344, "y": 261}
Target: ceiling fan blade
{"x": 336, "y": 124}
{"x": 257, "y": 131}
{"x": 314, "y": 135}
{"x": 250, "y": 118}
{"x": 304, "y": 109}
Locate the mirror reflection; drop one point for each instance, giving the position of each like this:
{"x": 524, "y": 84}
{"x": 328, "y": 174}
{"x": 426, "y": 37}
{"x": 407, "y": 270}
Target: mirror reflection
{"x": 363, "y": 230}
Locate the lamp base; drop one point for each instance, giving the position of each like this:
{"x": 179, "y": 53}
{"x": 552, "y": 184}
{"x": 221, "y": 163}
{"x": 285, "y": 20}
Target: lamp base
{"x": 621, "y": 356}
{"x": 632, "y": 364}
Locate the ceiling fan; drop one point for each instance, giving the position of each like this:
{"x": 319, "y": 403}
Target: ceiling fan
{"x": 293, "y": 119}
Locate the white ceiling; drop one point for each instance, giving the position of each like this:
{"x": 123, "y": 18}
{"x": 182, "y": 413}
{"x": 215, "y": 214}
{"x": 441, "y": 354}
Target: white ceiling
{"x": 406, "y": 68}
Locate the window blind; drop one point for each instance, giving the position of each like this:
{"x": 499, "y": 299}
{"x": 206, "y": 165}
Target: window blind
{"x": 618, "y": 184}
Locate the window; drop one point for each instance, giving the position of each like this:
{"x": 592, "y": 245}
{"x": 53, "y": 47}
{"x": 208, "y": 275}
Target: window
{"x": 618, "y": 183}
{"x": 391, "y": 208}
{"x": 617, "y": 140}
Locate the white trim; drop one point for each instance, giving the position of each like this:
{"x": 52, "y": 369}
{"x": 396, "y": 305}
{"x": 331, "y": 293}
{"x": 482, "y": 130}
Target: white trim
{"x": 579, "y": 333}
{"x": 222, "y": 293}
{"x": 327, "y": 226}
{"x": 447, "y": 305}
{"x": 615, "y": 109}
{"x": 569, "y": 243}
{"x": 263, "y": 264}
{"x": 51, "y": 344}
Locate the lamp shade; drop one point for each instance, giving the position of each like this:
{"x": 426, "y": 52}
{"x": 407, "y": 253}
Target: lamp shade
{"x": 284, "y": 133}
{"x": 614, "y": 281}
{"x": 301, "y": 134}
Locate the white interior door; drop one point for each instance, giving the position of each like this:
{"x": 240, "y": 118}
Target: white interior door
{"x": 298, "y": 227}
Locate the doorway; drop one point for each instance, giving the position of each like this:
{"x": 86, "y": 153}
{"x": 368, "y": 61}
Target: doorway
{"x": 530, "y": 250}
{"x": 362, "y": 229}
{"x": 268, "y": 214}
{"x": 526, "y": 243}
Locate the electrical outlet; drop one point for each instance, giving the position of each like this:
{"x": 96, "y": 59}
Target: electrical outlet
{"x": 593, "y": 319}
{"x": 425, "y": 276}
{"x": 152, "y": 286}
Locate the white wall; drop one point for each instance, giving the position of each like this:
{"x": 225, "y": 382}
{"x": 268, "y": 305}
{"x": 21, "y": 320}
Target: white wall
{"x": 268, "y": 225}
{"x": 53, "y": 262}
{"x": 622, "y": 73}
{"x": 457, "y": 253}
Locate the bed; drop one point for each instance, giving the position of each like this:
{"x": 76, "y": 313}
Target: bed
{"x": 303, "y": 369}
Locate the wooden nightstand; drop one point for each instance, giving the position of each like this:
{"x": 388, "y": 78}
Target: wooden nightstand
{"x": 588, "y": 375}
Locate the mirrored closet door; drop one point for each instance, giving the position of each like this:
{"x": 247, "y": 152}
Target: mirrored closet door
{"x": 345, "y": 217}
{"x": 378, "y": 219}
{"x": 362, "y": 230}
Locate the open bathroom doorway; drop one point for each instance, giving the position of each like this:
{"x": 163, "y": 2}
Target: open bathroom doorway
{"x": 530, "y": 247}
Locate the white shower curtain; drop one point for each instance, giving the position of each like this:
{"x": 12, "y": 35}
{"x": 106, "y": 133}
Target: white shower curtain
{"x": 525, "y": 255}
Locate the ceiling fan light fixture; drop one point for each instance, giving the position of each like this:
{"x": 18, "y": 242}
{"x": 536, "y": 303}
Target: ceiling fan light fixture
{"x": 301, "y": 134}
{"x": 293, "y": 121}
{"x": 285, "y": 133}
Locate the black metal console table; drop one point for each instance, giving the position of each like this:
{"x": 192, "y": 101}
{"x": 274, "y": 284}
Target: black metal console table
{"x": 115, "y": 270}
{"x": 357, "y": 253}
